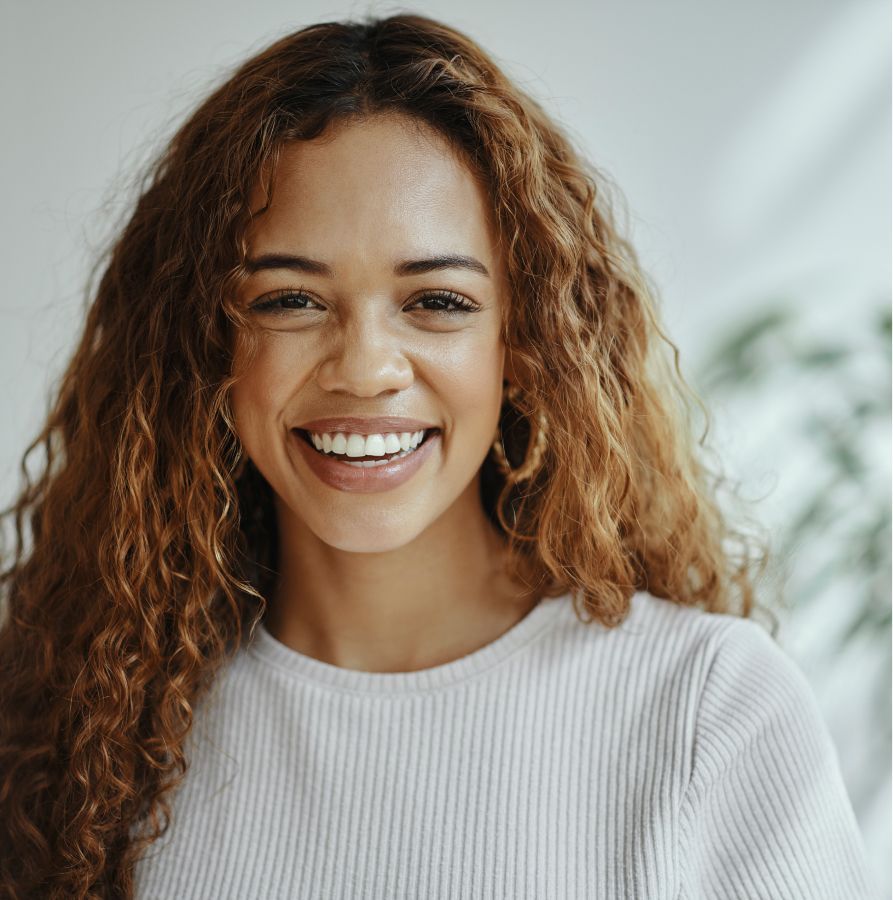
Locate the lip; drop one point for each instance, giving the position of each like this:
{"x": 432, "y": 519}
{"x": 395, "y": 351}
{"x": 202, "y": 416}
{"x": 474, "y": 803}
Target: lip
{"x": 355, "y": 479}
{"x": 358, "y": 425}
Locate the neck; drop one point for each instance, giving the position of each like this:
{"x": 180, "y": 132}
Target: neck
{"x": 435, "y": 599}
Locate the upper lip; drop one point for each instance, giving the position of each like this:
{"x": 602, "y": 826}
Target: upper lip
{"x": 356, "y": 425}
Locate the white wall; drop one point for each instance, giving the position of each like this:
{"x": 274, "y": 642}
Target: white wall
{"x": 752, "y": 141}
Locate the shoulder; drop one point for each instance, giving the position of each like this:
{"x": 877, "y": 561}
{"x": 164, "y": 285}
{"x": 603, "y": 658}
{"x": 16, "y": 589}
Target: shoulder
{"x": 666, "y": 642}
{"x": 765, "y": 803}
{"x": 755, "y": 698}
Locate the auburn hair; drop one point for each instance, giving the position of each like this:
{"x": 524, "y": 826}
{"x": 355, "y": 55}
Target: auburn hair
{"x": 145, "y": 548}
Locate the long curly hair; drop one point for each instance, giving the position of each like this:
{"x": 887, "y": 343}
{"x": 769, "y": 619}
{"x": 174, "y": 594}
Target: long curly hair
{"x": 145, "y": 547}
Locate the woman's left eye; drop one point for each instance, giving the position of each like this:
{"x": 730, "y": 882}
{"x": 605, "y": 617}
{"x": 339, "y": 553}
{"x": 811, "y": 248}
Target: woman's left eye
{"x": 281, "y": 302}
{"x": 446, "y": 298}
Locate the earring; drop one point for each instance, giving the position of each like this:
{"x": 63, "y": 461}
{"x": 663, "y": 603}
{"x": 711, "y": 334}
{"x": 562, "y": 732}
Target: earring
{"x": 532, "y": 458}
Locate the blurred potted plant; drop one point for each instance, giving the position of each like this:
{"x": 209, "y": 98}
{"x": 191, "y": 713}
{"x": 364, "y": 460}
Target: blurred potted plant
{"x": 832, "y": 403}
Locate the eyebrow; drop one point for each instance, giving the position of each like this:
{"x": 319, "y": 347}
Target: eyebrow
{"x": 407, "y": 267}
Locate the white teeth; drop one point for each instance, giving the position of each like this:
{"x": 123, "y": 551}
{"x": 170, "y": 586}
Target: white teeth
{"x": 354, "y": 445}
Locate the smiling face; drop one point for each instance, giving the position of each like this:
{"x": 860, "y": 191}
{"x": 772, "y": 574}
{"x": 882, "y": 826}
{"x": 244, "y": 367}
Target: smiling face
{"x": 355, "y": 332}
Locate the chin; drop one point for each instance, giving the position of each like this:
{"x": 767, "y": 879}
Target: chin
{"x": 361, "y": 538}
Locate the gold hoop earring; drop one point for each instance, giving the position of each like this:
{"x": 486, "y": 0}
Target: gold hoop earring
{"x": 536, "y": 446}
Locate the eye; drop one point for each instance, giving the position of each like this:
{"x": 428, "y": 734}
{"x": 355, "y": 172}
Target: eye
{"x": 288, "y": 300}
{"x": 281, "y": 301}
{"x": 444, "y": 299}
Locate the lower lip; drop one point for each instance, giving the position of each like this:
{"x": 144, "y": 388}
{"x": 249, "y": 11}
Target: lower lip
{"x": 344, "y": 477}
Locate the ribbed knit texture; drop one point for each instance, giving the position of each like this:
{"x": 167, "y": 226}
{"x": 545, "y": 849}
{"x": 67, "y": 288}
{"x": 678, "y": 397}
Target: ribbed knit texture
{"x": 680, "y": 755}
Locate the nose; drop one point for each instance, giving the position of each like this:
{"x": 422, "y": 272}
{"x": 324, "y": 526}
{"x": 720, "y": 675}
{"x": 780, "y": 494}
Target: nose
{"x": 367, "y": 359}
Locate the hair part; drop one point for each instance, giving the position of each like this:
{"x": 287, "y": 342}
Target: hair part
{"x": 141, "y": 560}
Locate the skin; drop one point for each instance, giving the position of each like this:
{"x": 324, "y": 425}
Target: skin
{"x": 411, "y": 577}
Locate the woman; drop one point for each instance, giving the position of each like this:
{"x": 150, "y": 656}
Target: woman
{"x": 372, "y": 556}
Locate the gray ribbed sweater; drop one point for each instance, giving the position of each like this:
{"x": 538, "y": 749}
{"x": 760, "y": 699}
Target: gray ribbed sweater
{"x": 679, "y": 755}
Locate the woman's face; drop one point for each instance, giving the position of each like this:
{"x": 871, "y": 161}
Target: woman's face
{"x": 355, "y": 320}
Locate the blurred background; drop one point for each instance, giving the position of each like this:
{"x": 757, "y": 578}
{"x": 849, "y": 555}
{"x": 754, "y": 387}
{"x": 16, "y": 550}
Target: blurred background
{"x": 752, "y": 144}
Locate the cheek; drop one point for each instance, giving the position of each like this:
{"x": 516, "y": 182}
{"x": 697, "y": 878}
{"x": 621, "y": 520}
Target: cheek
{"x": 262, "y": 391}
{"x": 469, "y": 379}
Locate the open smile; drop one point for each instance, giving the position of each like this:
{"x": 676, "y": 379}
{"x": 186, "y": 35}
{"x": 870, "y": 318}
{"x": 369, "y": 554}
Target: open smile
{"x": 366, "y": 474}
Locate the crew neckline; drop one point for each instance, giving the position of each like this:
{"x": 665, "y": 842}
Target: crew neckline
{"x": 263, "y": 646}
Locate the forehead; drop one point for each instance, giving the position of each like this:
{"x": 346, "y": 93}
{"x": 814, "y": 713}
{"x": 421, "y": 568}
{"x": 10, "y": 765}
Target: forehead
{"x": 384, "y": 186}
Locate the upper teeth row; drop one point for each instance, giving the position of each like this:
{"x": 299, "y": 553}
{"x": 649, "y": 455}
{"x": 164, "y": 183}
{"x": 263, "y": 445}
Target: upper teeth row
{"x": 366, "y": 444}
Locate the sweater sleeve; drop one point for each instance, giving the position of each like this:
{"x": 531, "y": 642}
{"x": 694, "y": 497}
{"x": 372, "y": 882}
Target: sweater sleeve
{"x": 766, "y": 812}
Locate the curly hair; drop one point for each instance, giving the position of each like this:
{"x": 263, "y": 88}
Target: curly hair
{"x": 146, "y": 548}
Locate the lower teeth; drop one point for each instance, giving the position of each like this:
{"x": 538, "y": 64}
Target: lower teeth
{"x": 372, "y": 463}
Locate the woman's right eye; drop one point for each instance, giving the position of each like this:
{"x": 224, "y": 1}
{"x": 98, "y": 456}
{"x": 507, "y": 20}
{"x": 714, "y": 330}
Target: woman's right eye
{"x": 282, "y": 302}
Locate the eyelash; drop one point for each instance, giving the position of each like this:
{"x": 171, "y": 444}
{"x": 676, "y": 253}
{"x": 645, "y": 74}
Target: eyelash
{"x": 464, "y": 306}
